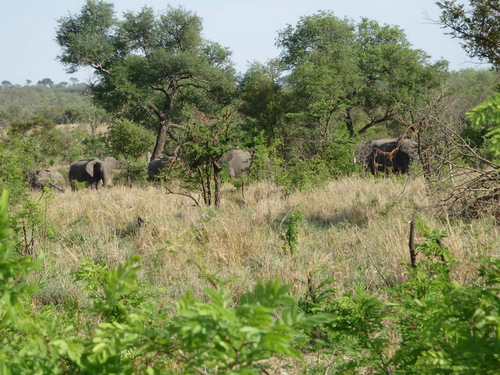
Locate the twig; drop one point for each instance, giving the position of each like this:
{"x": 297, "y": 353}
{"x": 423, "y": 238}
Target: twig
{"x": 57, "y": 187}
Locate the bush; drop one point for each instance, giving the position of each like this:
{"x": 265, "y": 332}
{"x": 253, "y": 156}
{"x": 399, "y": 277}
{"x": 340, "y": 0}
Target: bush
{"x": 131, "y": 171}
{"x": 127, "y": 139}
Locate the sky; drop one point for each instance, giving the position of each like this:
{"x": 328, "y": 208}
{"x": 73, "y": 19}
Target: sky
{"x": 249, "y": 28}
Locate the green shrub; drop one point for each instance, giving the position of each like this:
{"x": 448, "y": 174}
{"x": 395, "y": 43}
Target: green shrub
{"x": 429, "y": 325}
{"x": 131, "y": 171}
{"x": 127, "y": 139}
{"x": 292, "y": 231}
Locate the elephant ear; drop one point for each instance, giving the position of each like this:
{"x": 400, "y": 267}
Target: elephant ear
{"x": 111, "y": 163}
{"x": 89, "y": 167}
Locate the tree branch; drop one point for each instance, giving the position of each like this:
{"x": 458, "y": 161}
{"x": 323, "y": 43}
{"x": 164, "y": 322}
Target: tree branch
{"x": 388, "y": 116}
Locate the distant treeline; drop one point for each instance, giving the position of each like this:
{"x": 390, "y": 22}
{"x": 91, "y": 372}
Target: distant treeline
{"x": 61, "y": 103}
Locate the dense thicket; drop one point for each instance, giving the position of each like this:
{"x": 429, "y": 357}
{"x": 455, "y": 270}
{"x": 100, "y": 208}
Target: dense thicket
{"x": 337, "y": 82}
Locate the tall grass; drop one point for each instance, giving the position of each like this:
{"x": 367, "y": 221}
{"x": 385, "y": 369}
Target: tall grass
{"x": 353, "y": 230}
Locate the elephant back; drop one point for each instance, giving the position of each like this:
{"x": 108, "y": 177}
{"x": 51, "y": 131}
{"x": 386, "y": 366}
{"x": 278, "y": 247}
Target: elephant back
{"x": 92, "y": 171}
{"x": 46, "y": 178}
{"x": 57, "y": 179}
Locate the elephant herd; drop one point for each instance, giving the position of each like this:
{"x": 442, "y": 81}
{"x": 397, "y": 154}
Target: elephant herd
{"x": 94, "y": 171}
{"x": 379, "y": 155}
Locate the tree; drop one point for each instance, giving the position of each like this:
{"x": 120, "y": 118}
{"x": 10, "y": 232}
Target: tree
{"x": 362, "y": 75}
{"x": 478, "y": 26}
{"x": 94, "y": 116}
{"x": 338, "y": 79}
{"x": 147, "y": 67}
{"x": 205, "y": 141}
{"x": 264, "y": 102}
{"x": 461, "y": 151}
{"x": 46, "y": 82}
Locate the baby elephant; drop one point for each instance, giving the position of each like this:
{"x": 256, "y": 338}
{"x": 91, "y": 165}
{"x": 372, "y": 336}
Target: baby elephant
{"x": 45, "y": 178}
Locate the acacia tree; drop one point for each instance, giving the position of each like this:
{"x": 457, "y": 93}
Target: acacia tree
{"x": 145, "y": 63}
{"x": 360, "y": 75}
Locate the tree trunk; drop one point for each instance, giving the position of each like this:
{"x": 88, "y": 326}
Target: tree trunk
{"x": 208, "y": 187}
{"x": 164, "y": 117}
{"x": 203, "y": 187}
{"x": 349, "y": 123}
{"x": 218, "y": 183}
{"x": 160, "y": 139}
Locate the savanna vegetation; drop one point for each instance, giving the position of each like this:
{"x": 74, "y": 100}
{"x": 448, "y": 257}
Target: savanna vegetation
{"x": 307, "y": 264}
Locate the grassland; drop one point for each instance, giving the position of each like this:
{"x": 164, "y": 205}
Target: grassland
{"x": 353, "y": 230}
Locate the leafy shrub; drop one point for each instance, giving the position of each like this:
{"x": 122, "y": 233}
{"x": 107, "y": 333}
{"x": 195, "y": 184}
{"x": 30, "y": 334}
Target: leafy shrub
{"x": 93, "y": 147}
{"x": 446, "y": 327}
{"x": 335, "y": 160}
{"x": 131, "y": 171}
{"x": 485, "y": 117}
{"x": 41, "y": 139}
{"x": 127, "y": 139}
{"x": 430, "y": 324}
{"x": 355, "y": 331}
{"x": 292, "y": 231}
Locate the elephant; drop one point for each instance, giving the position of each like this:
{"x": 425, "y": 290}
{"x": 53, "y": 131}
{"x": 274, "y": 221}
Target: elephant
{"x": 92, "y": 172}
{"x": 46, "y": 178}
{"x": 388, "y": 154}
{"x": 156, "y": 166}
{"x": 239, "y": 161}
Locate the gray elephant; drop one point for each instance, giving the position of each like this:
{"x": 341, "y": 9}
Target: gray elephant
{"x": 239, "y": 162}
{"x": 388, "y": 154}
{"x": 156, "y": 166}
{"x": 46, "y": 178}
{"x": 92, "y": 172}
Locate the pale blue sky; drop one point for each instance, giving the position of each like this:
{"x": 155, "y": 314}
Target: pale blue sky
{"x": 248, "y": 27}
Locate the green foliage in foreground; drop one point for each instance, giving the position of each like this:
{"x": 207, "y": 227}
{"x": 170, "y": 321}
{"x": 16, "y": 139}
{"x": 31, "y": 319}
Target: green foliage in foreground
{"x": 486, "y": 116}
{"x": 427, "y": 325}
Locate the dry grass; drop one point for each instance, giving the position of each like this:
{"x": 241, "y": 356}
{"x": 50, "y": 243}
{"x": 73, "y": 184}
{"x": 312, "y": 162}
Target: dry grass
{"x": 354, "y": 229}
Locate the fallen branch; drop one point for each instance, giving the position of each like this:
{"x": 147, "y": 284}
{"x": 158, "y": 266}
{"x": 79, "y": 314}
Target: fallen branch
{"x": 169, "y": 191}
